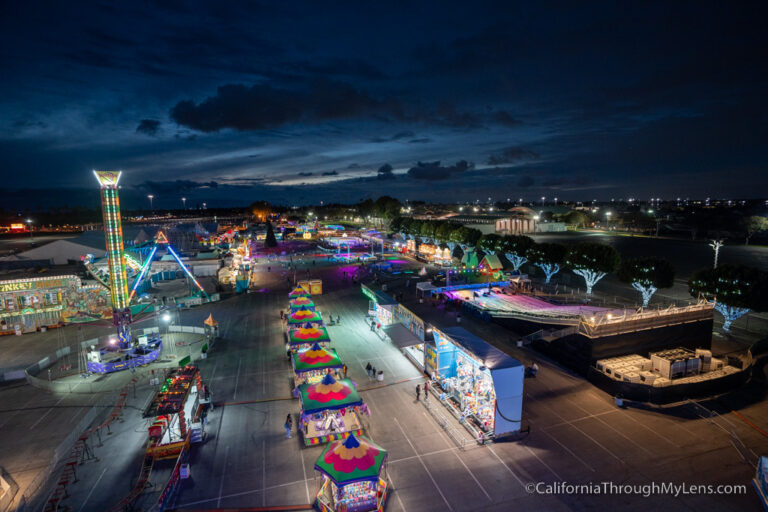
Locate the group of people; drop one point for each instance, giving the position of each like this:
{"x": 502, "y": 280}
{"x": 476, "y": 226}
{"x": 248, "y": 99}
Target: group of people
{"x": 427, "y": 384}
{"x": 371, "y": 370}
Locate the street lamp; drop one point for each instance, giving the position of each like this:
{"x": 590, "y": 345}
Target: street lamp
{"x": 151, "y": 197}
{"x": 29, "y": 228}
{"x": 608, "y": 219}
{"x": 184, "y": 203}
{"x": 542, "y": 199}
{"x": 716, "y": 245}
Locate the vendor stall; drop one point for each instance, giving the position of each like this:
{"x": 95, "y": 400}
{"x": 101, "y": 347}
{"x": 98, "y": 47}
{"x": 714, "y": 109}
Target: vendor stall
{"x": 330, "y": 410}
{"x": 301, "y": 302}
{"x": 479, "y": 383}
{"x": 380, "y": 305}
{"x": 312, "y": 364}
{"x": 353, "y": 476}
{"x": 305, "y": 336}
{"x": 304, "y": 316}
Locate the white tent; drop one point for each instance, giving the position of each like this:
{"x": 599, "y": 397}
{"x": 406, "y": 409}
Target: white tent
{"x": 59, "y": 252}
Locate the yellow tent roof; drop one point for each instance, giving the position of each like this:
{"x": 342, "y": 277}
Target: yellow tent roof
{"x": 210, "y": 321}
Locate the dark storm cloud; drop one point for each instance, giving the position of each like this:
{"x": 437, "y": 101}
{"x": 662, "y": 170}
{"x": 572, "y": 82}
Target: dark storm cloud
{"x": 398, "y": 136}
{"x": 385, "y": 173}
{"x": 433, "y": 171}
{"x": 174, "y": 187}
{"x": 512, "y": 155}
{"x": 330, "y": 173}
{"x": 148, "y": 127}
{"x": 525, "y": 182}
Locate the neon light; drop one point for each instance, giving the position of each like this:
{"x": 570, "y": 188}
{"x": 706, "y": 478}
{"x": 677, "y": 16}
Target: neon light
{"x": 144, "y": 269}
{"x": 178, "y": 260}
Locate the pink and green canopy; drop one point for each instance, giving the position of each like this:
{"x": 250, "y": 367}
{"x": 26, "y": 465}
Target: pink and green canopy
{"x": 301, "y": 302}
{"x": 308, "y": 335}
{"x": 299, "y": 292}
{"x": 316, "y": 358}
{"x": 304, "y": 316}
{"x": 353, "y": 459}
{"x": 329, "y": 394}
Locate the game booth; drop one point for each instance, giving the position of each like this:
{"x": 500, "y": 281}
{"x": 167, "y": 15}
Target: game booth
{"x": 330, "y": 410}
{"x": 300, "y": 303}
{"x": 312, "y": 364}
{"x": 302, "y": 337}
{"x": 477, "y": 382}
{"x": 305, "y": 316}
{"x": 353, "y": 473}
{"x": 175, "y": 410}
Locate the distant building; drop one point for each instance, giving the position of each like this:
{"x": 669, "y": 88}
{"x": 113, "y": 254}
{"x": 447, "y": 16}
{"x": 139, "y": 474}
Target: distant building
{"x": 521, "y": 220}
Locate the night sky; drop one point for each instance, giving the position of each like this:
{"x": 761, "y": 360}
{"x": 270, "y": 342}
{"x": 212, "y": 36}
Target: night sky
{"x": 297, "y": 102}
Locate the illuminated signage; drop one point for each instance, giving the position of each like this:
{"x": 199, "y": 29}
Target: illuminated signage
{"x": 23, "y": 286}
{"x": 17, "y": 226}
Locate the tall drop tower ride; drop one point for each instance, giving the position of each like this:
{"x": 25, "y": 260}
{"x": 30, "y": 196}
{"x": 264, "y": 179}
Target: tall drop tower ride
{"x": 113, "y": 234}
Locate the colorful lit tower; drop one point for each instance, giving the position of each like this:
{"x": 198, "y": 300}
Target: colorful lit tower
{"x": 113, "y": 234}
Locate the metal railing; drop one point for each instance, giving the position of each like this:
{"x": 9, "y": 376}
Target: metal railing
{"x": 445, "y": 424}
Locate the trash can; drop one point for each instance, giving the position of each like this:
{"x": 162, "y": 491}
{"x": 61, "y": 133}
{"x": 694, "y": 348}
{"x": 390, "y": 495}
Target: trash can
{"x": 380, "y": 376}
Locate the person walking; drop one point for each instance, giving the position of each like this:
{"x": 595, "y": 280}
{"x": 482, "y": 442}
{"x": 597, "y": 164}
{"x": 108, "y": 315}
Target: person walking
{"x": 373, "y": 372}
{"x": 426, "y": 390}
{"x": 282, "y": 315}
{"x": 344, "y": 370}
{"x": 338, "y": 319}
{"x": 288, "y": 351}
{"x": 288, "y": 425}
{"x": 368, "y": 369}
{"x": 418, "y": 392}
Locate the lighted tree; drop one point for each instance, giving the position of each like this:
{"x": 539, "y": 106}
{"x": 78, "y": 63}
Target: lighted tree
{"x": 736, "y": 289}
{"x": 548, "y": 257}
{"x": 489, "y": 243}
{"x": 269, "y": 239}
{"x": 592, "y": 262}
{"x": 515, "y": 248}
{"x": 427, "y": 232}
{"x": 466, "y": 237}
{"x": 647, "y": 275}
{"x": 754, "y": 224}
{"x": 444, "y": 232}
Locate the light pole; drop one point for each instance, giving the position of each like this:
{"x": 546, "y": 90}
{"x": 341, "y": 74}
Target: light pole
{"x": 542, "y": 200}
{"x": 716, "y": 245}
{"x": 608, "y": 219}
{"x": 29, "y": 228}
{"x": 151, "y": 197}
{"x": 184, "y": 203}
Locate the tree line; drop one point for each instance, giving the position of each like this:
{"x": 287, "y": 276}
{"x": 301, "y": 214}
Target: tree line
{"x": 735, "y": 289}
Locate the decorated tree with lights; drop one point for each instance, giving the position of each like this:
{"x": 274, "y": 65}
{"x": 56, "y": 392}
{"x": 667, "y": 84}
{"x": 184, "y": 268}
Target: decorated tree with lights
{"x": 647, "y": 275}
{"x": 269, "y": 239}
{"x": 490, "y": 243}
{"x": 515, "y": 248}
{"x": 736, "y": 289}
{"x": 592, "y": 262}
{"x": 548, "y": 257}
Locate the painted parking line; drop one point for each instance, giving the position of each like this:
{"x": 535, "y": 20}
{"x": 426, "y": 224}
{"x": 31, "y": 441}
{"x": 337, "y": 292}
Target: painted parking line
{"x": 447, "y": 504}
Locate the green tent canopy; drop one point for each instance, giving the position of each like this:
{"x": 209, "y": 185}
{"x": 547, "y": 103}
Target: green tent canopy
{"x": 308, "y": 335}
{"x": 354, "y": 459}
{"x": 304, "y": 316}
{"x": 329, "y": 394}
{"x": 316, "y": 358}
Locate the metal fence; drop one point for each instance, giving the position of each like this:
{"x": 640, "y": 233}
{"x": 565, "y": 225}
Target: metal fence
{"x": 33, "y": 494}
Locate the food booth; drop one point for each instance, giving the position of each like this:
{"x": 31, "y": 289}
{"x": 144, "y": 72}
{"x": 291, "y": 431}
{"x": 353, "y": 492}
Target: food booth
{"x": 380, "y": 305}
{"x": 312, "y": 364}
{"x": 330, "y": 410}
{"x": 480, "y": 384}
{"x": 353, "y": 473}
